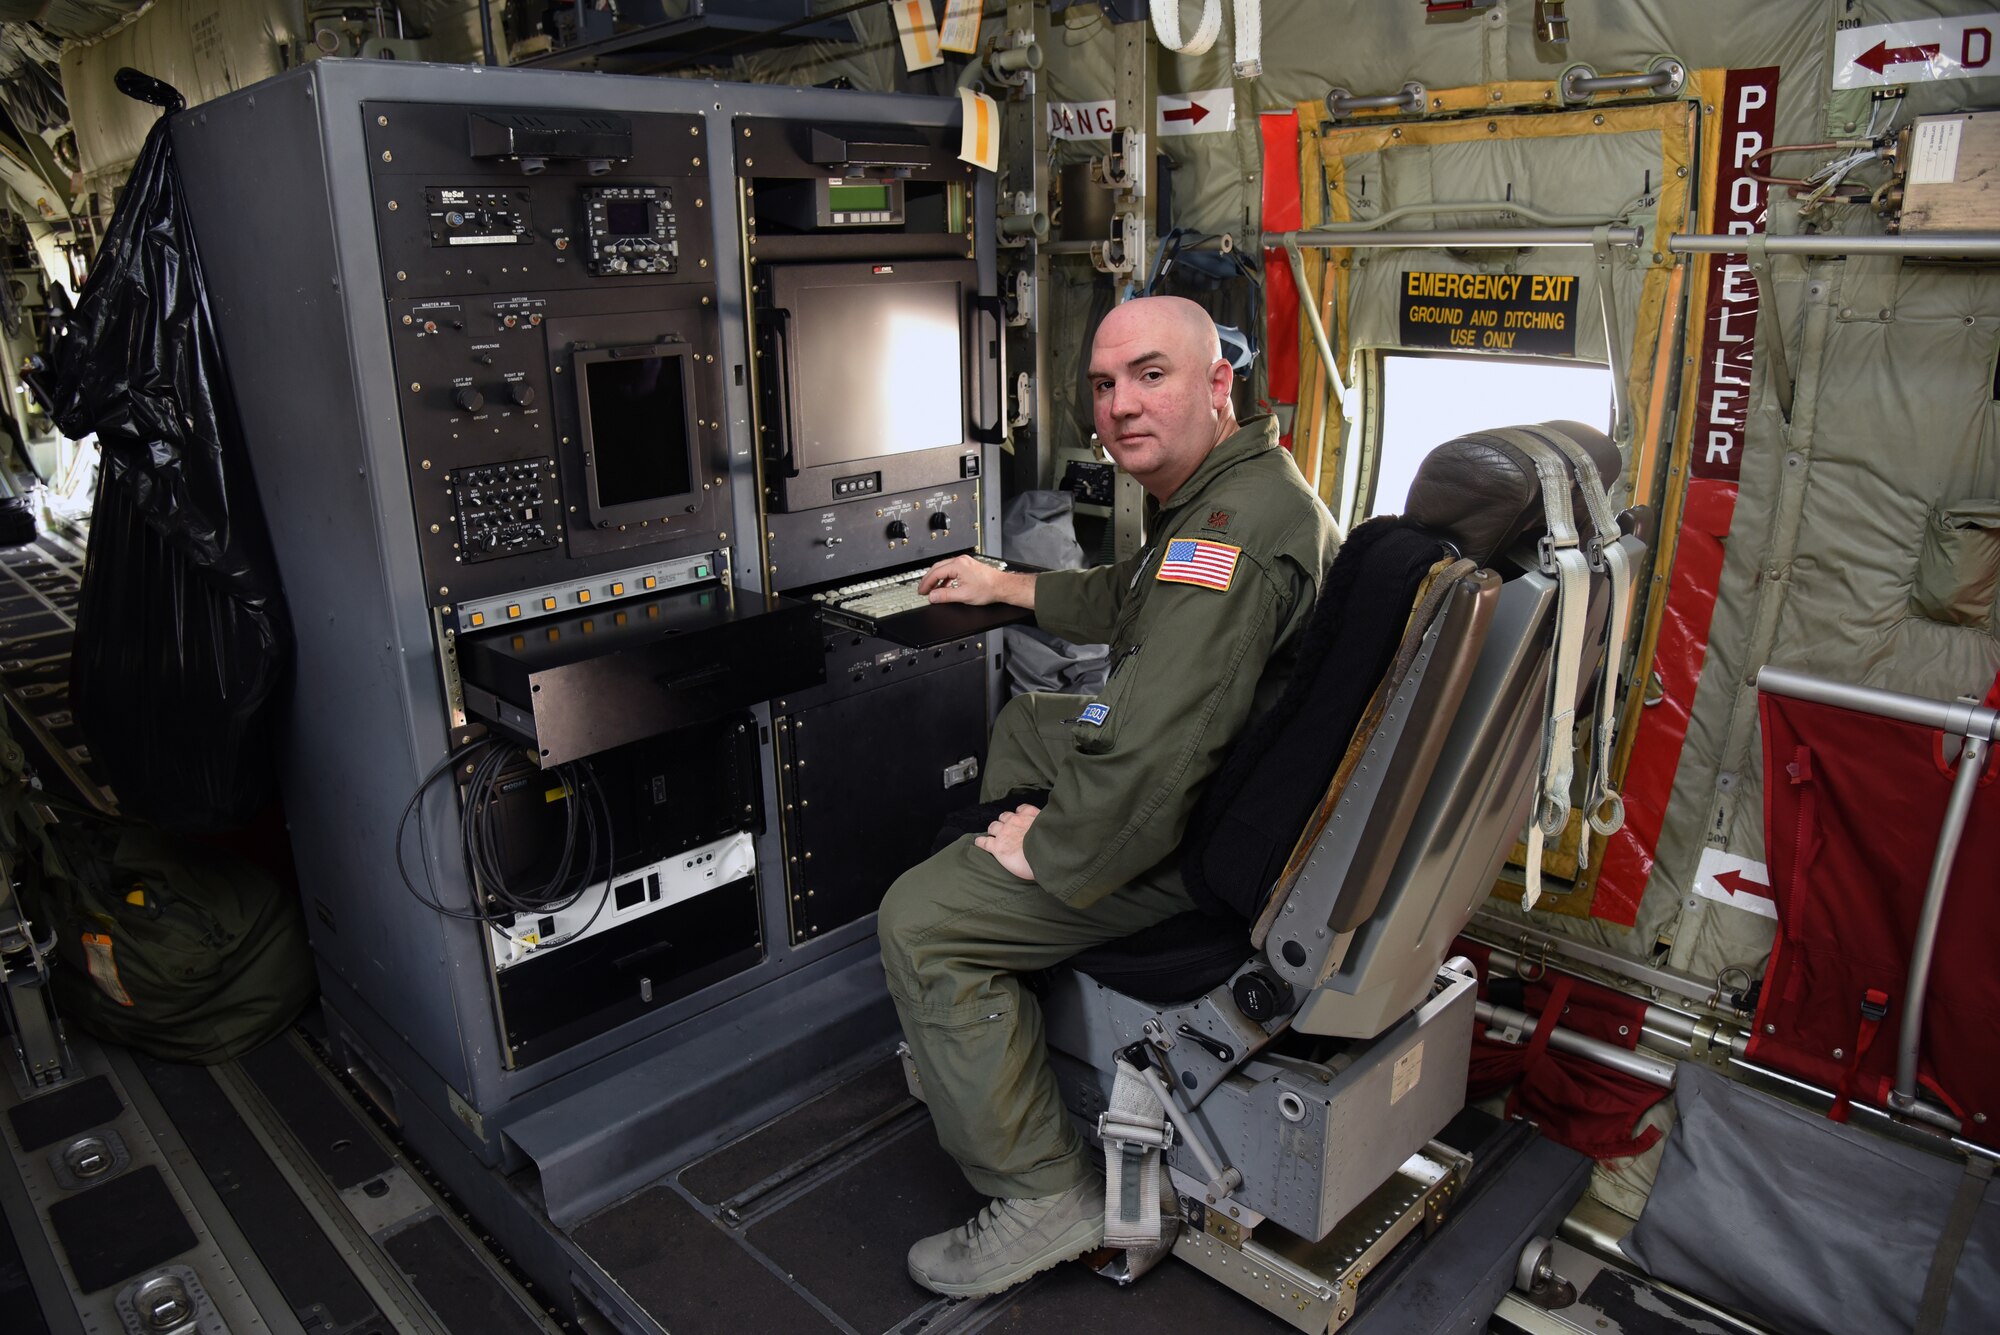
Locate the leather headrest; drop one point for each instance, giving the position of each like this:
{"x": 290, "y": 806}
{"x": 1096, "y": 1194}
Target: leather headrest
{"x": 1481, "y": 492}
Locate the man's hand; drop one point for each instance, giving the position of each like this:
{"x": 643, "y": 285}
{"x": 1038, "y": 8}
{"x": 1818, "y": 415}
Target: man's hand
{"x": 960, "y": 579}
{"x": 1003, "y": 840}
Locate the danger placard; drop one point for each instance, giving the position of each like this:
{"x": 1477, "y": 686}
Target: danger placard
{"x": 1490, "y": 312}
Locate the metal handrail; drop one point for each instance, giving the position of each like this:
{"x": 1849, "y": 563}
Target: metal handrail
{"x": 1341, "y": 104}
{"x": 1432, "y": 209}
{"x": 1579, "y": 83}
{"x": 1458, "y": 238}
{"x": 1955, "y": 717}
{"x": 1931, "y": 245}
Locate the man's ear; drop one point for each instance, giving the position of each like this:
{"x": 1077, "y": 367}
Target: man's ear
{"x": 1220, "y": 374}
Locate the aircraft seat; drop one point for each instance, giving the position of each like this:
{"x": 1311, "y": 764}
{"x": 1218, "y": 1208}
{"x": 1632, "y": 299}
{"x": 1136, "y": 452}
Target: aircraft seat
{"x": 1342, "y": 846}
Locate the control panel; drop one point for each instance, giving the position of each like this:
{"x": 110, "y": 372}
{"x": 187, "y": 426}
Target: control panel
{"x": 838, "y": 542}
{"x": 553, "y": 328}
{"x": 462, "y": 217}
{"x": 631, "y": 229}
{"x": 505, "y": 509}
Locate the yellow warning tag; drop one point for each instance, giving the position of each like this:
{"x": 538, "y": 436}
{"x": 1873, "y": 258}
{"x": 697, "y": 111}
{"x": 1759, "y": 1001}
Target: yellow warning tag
{"x": 103, "y": 969}
{"x": 916, "y": 28}
{"x": 960, "y": 29}
{"x": 979, "y": 131}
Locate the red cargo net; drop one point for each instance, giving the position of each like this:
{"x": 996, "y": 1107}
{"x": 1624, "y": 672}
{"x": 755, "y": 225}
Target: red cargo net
{"x": 1852, "y": 808}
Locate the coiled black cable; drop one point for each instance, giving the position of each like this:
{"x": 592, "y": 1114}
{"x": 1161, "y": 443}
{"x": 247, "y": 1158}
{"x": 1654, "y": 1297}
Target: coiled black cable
{"x": 587, "y": 823}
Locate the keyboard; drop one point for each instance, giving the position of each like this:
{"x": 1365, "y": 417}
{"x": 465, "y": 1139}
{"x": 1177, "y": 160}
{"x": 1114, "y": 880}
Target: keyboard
{"x": 890, "y": 606}
{"x": 875, "y": 599}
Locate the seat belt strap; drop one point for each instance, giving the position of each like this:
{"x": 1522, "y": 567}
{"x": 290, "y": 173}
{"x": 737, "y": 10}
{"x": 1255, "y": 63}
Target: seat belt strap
{"x": 1951, "y": 1242}
{"x": 1564, "y": 558}
{"x": 1603, "y": 805}
{"x": 1134, "y": 1130}
{"x": 1874, "y": 1008}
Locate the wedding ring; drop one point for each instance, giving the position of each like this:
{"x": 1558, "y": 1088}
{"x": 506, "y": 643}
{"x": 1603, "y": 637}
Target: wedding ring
{"x": 955, "y": 583}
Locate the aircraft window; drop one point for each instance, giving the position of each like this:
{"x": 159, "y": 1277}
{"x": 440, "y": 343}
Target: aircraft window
{"x": 1427, "y": 400}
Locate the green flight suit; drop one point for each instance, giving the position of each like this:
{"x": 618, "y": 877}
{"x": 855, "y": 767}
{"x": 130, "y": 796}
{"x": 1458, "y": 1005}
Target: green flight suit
{"x": 1191, "y": 664}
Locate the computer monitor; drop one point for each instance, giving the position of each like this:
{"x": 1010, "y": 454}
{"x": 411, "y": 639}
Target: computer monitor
{"x": 868, "y": 378}
{"x": 635, "y": 410}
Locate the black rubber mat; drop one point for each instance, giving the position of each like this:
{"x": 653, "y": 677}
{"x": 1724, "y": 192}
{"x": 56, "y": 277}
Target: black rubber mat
{"x": 460, "y": 1291}
{"x": 800, "y": 1135}
{"x": 325, "y": 1125}
{"x": 304, "y": 1264}
{"x": 846, "y": 1240}
{"x": 691, "y": 1275}
{"x": 18, "y": 1300}
{"x": 1173, "y": 1298}
{"x": 112, "y": 1232}
{"x": 66, "y": 1112}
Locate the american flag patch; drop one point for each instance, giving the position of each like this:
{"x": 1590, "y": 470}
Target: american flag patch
{"x": 1194, "y": 561}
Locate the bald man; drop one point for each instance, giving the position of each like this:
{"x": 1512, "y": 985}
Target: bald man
{"x": 1201, "y": 625}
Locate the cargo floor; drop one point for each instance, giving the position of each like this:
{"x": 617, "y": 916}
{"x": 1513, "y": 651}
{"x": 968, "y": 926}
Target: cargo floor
{"x": 266, "y": 1183}
{"x": 803, "y": 1225}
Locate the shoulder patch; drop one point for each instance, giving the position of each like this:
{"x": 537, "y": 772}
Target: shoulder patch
{"x": 1210, "y": 565}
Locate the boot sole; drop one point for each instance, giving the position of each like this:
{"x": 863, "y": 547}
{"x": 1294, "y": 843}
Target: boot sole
{"x": 1085, "y": 1237}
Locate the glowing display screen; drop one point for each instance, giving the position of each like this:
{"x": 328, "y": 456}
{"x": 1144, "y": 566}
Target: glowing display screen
{"x": 870, "y": 197}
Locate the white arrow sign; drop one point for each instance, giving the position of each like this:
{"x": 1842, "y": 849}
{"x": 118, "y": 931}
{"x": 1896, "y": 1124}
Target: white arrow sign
{"x": 1736, "y": 881}
{"x": 1918, "y": 52}
{"x": 1209, "y": 111}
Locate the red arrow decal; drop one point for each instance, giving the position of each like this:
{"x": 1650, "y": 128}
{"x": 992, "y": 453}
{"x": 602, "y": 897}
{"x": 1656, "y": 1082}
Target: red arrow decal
{"x": 1735, "y": 882}
{"x": 1881, "y": 55}
{"x": 1195, "y": 112}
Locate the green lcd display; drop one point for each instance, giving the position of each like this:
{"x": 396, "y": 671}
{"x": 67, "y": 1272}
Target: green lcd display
{"x": 869, "y": 197}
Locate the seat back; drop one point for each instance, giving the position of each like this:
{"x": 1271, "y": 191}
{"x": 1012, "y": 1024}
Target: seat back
{"x": 1247, "y": 825}
{"x": 1363, "y": 926}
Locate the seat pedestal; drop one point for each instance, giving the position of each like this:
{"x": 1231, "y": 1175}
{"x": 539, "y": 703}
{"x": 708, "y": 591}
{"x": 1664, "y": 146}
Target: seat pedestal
{"x": 1314, "y": 1285}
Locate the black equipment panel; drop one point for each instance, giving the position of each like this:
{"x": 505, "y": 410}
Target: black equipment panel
{"x": 841, "y": 542}
{"x": 912, "y": 740}
{"x": 511, "y": 243}
{"x": 571, "y": 686}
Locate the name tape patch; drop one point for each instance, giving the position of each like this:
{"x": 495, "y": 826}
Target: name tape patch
{"x": 1211, "y": 565}
{"x": 1094, "y": 715}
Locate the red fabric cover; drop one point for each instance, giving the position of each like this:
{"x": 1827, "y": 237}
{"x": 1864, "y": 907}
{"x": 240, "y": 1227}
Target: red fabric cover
{"x": 1576, "y": 1102}
{"x": 1663, "y": 727}
{"x": 1280, "y": 131}
{"x": 1852, "y": 809}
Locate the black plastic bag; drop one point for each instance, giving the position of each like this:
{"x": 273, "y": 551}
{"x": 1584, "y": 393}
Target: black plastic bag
{"x": 182, "y": 643}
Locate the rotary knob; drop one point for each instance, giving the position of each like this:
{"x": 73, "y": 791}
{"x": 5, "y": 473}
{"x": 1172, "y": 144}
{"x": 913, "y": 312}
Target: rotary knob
{"x": 1259, "y": 996}
{"x": 898, "y": 531}
{"x": 468, "y": 399}
{"x": 940, "y": 522}
{"x": 522, "y": 393}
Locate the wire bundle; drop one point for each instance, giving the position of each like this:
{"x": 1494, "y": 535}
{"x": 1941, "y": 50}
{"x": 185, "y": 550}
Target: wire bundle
{"x": 587, "y": 823}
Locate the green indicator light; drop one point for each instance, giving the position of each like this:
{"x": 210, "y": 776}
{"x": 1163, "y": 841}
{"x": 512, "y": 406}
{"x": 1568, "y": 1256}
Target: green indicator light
{"x": 701, "y": 572}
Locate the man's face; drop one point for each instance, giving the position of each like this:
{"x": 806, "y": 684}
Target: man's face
{"x": 1159, "y": 397}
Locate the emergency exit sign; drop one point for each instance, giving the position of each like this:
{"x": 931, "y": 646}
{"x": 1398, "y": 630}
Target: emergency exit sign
{"x": 1532, "y": 314}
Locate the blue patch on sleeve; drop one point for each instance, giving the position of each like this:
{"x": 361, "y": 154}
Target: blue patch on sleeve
{"x": 1094, "y": 715}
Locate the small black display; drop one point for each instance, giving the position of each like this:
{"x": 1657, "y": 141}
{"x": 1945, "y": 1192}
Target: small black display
{"x": 628, "y": 217}
{"x": 636, "y": 410}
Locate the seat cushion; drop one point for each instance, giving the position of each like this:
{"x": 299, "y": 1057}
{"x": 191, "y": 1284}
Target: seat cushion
{"x": 1170, "y": 962}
